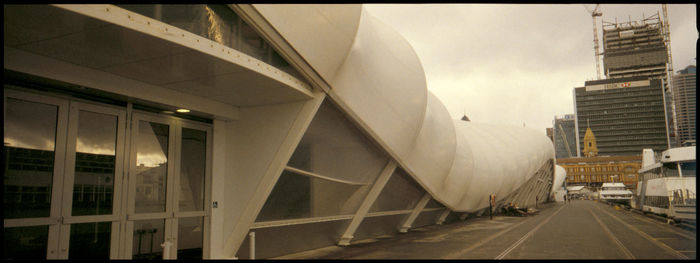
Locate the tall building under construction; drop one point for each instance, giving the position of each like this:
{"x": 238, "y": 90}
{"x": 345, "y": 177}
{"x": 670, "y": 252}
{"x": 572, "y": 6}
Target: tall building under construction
{"x": 642, "y": 49}
{"x": 635, "y": 48}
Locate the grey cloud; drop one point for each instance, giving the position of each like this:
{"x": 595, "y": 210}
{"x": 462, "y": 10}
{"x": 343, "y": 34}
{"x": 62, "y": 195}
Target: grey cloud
{"x": 474, "y": 54}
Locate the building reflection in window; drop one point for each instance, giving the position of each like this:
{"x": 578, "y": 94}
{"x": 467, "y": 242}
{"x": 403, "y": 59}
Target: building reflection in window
{"x": 93, "y": 187}
{"x": 29, "y": 142}
{"x": 152, "y": 167}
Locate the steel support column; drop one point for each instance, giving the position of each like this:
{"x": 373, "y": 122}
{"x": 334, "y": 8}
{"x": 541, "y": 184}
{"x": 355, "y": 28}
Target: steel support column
{"x": 412, "y": 217}
{"x": 443, "y": 216}
{"x": 372, "y": 196}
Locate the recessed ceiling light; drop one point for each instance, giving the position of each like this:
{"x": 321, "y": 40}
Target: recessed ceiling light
{"x": 167, "y": 112}
{"x": 183, "y": 110}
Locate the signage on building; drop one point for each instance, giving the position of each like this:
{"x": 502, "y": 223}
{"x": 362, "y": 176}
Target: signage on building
{"x": 618, "y": 85}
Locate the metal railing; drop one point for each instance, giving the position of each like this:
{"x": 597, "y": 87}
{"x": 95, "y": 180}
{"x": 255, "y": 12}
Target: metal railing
{"x": 681, "y": 197}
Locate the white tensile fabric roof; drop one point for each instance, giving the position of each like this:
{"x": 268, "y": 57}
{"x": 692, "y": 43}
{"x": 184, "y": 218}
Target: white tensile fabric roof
{"x": 377, "y": 76}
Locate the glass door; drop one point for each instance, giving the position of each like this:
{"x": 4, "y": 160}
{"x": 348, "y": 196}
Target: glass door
{"x": 191, "y": 195}
{"x": 92, "y": 182}
{"x": 167, "y": 212}
{"x": 34, "y": 145}
{"x": 62, "y": 177}
{"x": 82, "y": 180}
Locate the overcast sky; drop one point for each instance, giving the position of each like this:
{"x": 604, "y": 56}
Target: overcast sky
{"x": 509, "y": 63}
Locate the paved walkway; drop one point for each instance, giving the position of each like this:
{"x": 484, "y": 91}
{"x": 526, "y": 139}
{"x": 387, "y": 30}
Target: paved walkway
{"x": 577, "y": 230}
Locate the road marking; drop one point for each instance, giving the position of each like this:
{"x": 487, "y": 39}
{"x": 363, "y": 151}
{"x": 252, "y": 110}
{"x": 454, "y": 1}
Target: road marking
{"x": 522, "y": 239}
{"x": 461, "y": 253}
{"x": 643, "y": 218}
{"x": 622, "y": 247}
{"x": 645, "y": 235}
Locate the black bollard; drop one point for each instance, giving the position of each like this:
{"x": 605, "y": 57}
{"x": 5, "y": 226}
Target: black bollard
{"x": 490, "y": 208}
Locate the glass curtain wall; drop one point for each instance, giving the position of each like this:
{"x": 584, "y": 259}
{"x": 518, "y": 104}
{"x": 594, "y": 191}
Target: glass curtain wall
{"x": 331, "y": 171}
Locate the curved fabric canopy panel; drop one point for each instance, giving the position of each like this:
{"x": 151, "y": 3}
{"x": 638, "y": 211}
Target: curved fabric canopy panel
{"x": 434, "y": 149}
{"x": 377, "y": 77}
{"x": 382, "y": 82}
{"x": 322, "y": 34}
{"x": 502, "y": 158}
{"x": 559, "y": 177}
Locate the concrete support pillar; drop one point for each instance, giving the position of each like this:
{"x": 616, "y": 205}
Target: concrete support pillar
{"x": 416, "y": 210}
{"x": 372, "y": 196}
{"x": 443, "y": 216}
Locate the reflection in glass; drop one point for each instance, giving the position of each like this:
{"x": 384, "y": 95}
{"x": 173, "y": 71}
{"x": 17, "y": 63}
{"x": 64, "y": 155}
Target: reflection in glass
{"x": 433, "y": 204}
{"x": 290, "y": 198}
{"x": 152, "y": 166}
{"x": 400, "y": 193}
{"x": 90, "y": 240}
{"x": 190, "y": 238}
{"x": 353, "y": 158}
{"x": 93, "y": 187}
{"x": 30, "y": 135}
{"x": 192, "y": 169}
{"x": 25, "y": 243}
{"x": 148, "y": 235}
{"x": 299, "y": 196}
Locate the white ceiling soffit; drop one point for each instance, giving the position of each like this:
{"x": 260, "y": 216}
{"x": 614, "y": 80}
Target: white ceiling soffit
{"x": 110, "y": 39}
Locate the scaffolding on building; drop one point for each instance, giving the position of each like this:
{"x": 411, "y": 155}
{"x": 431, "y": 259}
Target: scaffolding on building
{"x": 635, "y": 48}
{"x": 641, "y": 48}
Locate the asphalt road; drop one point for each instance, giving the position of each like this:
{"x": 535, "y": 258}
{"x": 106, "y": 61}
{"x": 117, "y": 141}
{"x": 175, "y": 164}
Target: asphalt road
{"x": 578, "y": 230}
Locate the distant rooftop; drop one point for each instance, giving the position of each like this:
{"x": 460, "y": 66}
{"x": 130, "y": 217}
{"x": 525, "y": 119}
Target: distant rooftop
{"x": 575, "y": 188}
{"x": 565, "y": 117}
{"x": 599, "y": 159}
{"x": 615, "y": 80}
{"x": 688, "y": 70}
{"x": 613, "y": 185}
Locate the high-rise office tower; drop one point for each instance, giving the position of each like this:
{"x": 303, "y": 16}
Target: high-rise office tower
{"x": 640, "y": 49}
{"x": 684, "y": 88}
{"x": 626, "y": 115}
{"x": 564, "y": 136}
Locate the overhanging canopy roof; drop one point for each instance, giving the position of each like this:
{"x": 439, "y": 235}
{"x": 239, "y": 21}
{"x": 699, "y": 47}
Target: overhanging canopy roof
{"x": 146, "y": 50}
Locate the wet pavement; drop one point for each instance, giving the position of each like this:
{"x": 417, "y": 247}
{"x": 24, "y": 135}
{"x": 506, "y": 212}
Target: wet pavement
{"x": 581, "y": 229}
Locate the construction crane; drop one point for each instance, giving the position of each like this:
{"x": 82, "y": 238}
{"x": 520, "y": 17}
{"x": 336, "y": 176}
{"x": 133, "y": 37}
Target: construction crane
{"x": 669, "y": 68}
{"x": 566, "y": 142}
{"x": 667, "y": 39}
{"x": 594, "y": 14}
